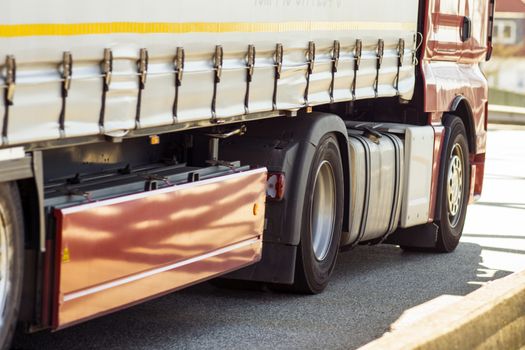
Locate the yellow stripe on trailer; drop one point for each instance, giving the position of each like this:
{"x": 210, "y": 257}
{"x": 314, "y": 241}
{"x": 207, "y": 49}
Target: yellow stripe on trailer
{"x": 57, "y": 29}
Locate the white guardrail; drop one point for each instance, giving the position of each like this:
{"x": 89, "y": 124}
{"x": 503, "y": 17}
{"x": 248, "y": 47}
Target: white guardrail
{"x": 506, "y": 114}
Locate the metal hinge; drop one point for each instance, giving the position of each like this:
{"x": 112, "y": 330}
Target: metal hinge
{"x": 142, "y": 66}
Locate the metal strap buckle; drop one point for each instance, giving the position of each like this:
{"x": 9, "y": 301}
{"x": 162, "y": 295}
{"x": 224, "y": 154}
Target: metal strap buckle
{"x": 380, "y": 52}
{"x": 311, "y": 56}
{"x": 335, "y": 55}
{"x": 67, "y": 71}
{"x": 250, "y": 61}
{"x": 179, "y": 65}
{"x": 10, "y": 78}
{"x": 143, "y": 67}
{"x": 279, "y": 52}
{"x": 107, "y": 67}
{"x": 217, "y": 62}
{"x": 357, "y": 54}
{"x": 401, "y": 52}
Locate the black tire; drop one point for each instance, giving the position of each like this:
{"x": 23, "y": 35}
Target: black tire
{"x": 451, "y": 221}
{"x": 312, "y": 272}
{"x": 12, "y": 238}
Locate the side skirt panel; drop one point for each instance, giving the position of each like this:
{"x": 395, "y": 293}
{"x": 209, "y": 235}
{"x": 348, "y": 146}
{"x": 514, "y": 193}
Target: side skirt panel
{"x": 120, "y": 251}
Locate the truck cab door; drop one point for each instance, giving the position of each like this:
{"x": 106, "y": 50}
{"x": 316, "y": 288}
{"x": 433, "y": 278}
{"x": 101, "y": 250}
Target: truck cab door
{"x": 456, "y": 30}
{"x": 443, "y": 29}
{"x": 476, "y": 13}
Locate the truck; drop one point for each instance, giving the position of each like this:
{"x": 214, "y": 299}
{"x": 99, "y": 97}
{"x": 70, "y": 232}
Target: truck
{"x": 149, "y": 146}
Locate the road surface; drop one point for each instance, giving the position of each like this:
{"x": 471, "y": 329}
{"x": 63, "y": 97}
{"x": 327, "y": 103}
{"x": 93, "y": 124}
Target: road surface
{"x": 370, "y": 289}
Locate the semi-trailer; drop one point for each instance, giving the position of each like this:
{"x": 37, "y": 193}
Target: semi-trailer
{"x": 149, "y": 146}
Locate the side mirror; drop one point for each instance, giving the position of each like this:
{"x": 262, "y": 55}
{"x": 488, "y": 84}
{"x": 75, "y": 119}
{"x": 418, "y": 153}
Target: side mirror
{"x": 490, "y": 24}
{"x": 466, "y": 29}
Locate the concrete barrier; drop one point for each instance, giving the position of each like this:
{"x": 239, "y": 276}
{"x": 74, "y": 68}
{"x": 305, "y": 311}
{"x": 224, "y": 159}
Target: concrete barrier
{"x": 506, "y": 115}
{"x": 492, "y": 317}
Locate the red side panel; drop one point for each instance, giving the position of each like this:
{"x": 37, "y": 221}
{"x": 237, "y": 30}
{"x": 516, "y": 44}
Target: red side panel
{"x": 445, "y": 81}
{"x": 450, "y": 66}
{"x": 117, "y": 252}
{"x": 443, "y": 29}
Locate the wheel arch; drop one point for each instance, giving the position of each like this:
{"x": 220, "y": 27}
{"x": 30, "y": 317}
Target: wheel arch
{"x": 25, "y": 173}
{"x": 31, "y": 214}
{"x": 286, "y": 145}
{"x": 313, "y": 128}
{"x": 461, "y": 108}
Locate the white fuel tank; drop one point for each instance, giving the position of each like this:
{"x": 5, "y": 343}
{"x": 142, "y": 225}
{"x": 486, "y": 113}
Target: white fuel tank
{"x": 391, "y": 176}
{"x": 376, "y": 183}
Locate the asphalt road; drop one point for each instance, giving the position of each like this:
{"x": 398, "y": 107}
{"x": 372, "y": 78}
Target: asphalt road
{"x": 370, "y": 289}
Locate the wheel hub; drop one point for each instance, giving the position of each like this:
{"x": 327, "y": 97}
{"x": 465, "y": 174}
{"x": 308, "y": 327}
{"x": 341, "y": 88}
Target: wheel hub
{"x": 323, "y": 210}
{"x": 455, "y": 184}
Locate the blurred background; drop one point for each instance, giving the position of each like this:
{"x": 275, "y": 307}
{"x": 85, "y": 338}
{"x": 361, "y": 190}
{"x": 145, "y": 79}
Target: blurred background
{"x": 506, "y": 70}
{"x": 496, "y": 223}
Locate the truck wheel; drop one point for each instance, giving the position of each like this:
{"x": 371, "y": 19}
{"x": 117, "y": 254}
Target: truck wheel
{"x": 455, "y": 189}
{"x": 322, "y": 219}
{"x": 11, "y": 260}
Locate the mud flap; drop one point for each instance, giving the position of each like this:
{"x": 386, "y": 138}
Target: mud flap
{"x": 422, "y": 236}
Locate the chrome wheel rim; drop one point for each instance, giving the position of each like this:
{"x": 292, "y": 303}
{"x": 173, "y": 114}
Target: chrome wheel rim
{"x": 323, "y": 210}
{"x": 455, "y": 185}
{"x": 4, "y": 268}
